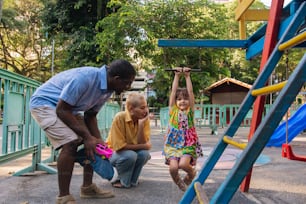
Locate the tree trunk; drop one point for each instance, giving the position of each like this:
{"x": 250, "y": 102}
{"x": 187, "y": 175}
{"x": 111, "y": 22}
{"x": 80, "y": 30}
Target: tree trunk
{"x": 1, "y": 1}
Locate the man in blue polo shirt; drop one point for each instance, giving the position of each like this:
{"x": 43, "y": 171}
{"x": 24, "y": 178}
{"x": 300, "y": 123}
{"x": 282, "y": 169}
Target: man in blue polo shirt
{"x": 66, "y": 106}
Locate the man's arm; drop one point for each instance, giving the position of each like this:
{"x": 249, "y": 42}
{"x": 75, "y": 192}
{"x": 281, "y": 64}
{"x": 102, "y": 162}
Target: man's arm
{"x": 90, "y": 119}
{"x": 64, "y": 112}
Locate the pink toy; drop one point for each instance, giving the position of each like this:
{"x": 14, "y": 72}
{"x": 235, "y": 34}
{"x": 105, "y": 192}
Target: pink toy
{"x": 103, "y": 150}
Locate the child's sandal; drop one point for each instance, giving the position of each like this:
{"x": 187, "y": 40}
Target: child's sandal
{"x": 181, "y": 185}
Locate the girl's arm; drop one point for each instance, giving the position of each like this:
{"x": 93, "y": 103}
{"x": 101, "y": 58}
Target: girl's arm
{"x": 175, "y": 84}
{"x": 186, "y": 71}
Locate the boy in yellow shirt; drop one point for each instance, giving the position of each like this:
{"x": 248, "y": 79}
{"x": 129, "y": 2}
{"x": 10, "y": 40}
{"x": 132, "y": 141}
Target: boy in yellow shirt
{"x": 129, "y": 137}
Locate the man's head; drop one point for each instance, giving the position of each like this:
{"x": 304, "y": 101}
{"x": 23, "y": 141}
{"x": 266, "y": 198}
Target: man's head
{"x": 120, "y": 75}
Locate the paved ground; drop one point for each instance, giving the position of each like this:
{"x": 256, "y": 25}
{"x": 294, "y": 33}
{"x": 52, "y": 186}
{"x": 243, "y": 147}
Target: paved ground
{"x": 275, "y": 180}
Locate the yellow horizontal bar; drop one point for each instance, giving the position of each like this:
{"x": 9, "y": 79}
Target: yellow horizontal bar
{"x": 293, "y": 42}
{"x": 242, "y": 7}
{"x": 269, "y": 89}
{"x": 256, "y": 15}
{"x": 229, "y": 140}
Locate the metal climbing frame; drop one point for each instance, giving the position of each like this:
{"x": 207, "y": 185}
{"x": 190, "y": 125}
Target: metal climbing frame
{"x": 264, "y": 131}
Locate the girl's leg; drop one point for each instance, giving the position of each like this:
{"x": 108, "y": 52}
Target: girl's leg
{"x": 173, "y": 169}
{"x": 185, "y": 165}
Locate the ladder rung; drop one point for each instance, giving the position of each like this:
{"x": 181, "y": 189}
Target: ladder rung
{"x": 269, "y": 89}
{"x": 201, "y": 195}
{"x": 293, "y": 42}
{"x": 231, "y": 141}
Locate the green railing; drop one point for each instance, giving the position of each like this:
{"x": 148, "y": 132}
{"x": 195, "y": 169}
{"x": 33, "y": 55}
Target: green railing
{"x": 216, "y": 116}
{"x": 105, "y": 117}
{"x": 21, "y": 135}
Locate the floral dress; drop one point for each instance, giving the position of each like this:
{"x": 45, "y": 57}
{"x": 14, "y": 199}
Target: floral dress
{"x": 181, "y": 137}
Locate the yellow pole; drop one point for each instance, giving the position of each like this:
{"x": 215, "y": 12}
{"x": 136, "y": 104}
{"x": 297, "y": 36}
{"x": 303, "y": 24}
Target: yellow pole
{"x": 293, "y": 42}
{"x": 269, "y": 89}
{"x": 231, "y": 141}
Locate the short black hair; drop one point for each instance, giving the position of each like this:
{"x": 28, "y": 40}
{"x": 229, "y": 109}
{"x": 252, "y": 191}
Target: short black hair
{"x": 121, "y": 68}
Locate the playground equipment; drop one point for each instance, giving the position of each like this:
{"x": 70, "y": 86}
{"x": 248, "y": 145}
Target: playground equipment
{"x": 288, "y": 153}
{"x": 293, "y": 126}
{"x": 297, "y": 122}
{"x": 272, "y": 40}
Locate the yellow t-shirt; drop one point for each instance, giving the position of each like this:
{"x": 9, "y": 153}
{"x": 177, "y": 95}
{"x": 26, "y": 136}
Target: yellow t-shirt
{"x": 123, "y": 131}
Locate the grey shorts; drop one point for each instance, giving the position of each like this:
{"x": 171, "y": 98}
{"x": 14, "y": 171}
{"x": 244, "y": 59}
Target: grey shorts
{"x": 56, "y": 130}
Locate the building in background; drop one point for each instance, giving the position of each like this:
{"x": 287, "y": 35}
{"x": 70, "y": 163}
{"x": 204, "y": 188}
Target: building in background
{"x": 139, "y": 85}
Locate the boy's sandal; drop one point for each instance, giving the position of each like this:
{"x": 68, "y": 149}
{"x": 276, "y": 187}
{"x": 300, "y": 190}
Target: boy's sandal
{"x": 117, "y": 184}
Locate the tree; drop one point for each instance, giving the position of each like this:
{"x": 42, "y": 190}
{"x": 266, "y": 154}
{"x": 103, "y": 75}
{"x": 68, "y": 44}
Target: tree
{"x": 20, "y": 38}
{"x": 1, "y": 2}
{"x": 140, "y": 24}
{"x": 73, "y": 23}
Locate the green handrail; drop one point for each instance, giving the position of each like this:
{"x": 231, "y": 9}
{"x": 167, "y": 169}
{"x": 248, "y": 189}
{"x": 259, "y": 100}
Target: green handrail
{"x": 21, "y": 135}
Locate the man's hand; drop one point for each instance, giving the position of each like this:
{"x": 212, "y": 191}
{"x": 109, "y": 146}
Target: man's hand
{"x": 90, "y": 146}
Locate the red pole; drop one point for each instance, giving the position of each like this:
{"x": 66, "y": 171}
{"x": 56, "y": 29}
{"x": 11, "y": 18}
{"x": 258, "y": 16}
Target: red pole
{"x": 270, "y": 42}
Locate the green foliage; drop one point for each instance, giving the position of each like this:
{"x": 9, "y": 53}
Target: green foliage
{"x": 75, "y": 21}
{"x": 21, "y": 42}
{"x": 140, "y": 25}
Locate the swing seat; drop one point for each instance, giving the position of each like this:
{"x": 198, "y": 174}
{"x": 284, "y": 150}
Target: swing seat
{"x": 288, "y": 153}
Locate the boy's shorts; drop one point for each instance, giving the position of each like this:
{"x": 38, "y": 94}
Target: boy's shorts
{"x": 56, "y": 130}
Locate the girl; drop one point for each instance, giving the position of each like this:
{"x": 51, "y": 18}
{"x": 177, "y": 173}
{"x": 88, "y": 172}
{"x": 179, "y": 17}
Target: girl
{"x": 181, "y": 147}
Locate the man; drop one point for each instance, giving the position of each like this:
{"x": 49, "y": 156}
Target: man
{"x": 129, "y": 137}
{"x": 66, "y": 106}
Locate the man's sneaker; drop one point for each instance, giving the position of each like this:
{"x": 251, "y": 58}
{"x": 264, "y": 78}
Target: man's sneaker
{"x": 68, "y": 199}
{"x": 93, "y": 191}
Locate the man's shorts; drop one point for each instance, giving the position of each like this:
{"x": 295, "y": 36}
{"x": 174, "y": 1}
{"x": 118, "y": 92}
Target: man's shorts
{"x": 56, "y": 130}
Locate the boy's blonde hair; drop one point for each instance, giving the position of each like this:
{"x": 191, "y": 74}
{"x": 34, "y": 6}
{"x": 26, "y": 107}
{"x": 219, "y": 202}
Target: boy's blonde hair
{"x": 133, "y": 100}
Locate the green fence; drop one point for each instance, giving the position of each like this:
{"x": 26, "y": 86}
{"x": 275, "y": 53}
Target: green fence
{"x": 21, "y": 135}
{"x": 216, "y": 116}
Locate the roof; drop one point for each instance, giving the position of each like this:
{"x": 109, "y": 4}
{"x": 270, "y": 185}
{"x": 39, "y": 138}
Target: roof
{"x": 227, "y": 80}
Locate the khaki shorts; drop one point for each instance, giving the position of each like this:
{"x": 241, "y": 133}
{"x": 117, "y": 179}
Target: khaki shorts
{"x": 56, "y": 130}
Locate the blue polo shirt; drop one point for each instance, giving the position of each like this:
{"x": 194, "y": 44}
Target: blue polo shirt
{"x": 83, "y": 88}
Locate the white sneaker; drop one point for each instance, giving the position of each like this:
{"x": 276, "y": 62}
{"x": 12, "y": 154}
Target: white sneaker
{"x": 115, "y": 176}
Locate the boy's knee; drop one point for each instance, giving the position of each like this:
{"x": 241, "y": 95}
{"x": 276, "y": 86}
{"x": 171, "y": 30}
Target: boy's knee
{"x": 144, "y": 155}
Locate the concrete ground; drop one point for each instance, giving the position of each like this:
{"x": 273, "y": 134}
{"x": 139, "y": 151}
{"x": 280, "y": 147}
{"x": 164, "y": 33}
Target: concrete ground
{"x": 275, "y": 180}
